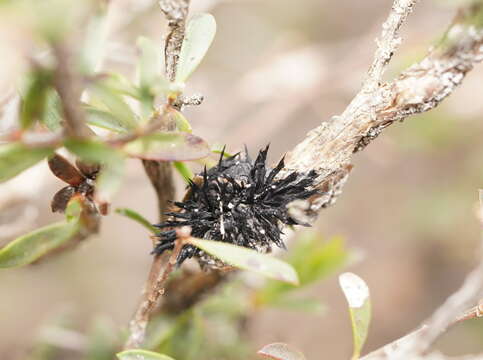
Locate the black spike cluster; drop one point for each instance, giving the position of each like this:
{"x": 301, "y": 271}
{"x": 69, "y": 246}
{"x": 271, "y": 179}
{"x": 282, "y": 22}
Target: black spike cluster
{"x": 239, "y": 201}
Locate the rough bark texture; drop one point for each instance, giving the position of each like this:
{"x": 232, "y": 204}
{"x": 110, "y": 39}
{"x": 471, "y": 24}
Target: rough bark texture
{"x": 422, "y": 87}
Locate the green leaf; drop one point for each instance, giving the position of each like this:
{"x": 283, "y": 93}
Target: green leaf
{"x": 115, "y": 104}
{"x": 182, "y": 124}
{"x": 112, "y": 161}
{"x": 218, "y": 149}
{"x": 183, "y": 170}
{"x": 313, "y": 258}
{"x": 168, "y": 146}
{"x": 133, "y": 215}
{"x": 95, "y": 40}
{"x": 149, "y": 67}
{"x": 357, "y": 296}
{"x": 16, "y": 157}
{"x": 32, "y": 246}
{"x": 149, "y": 72}
{"x": 280, "y": 351}
{"x": 300, "y": 304}
{"x": 102, "y": 341}
{"x": 105, "y": 120}
{"x": 316, "y": 259}
{"x": 137, "y": 354}
{"x": 34, "y": 101}
{"x": 248, "y": 259}
{"x": 200, "y": 33}
{"x": 52, "y": 117}
{"x": 92, "y": 151}
{"x": 110, "y": 179}
{"x": 73, "y": 210}
{"x": 119, "y": 84}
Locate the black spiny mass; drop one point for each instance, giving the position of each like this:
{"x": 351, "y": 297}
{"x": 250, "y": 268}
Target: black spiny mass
{"x": 239, "y": 201}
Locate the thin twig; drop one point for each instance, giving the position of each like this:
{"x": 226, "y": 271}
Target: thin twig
{"x": 176, "y": 12}
{"x": 68, "y": 85}
{"x": 154, "y": 289}
{"x": 415, "y": 344}
{"x": 329, "y": 147}
{"x": 388, "y": 350}
{"x": 388, "y": 42}
{"x": 156, "y": 123}
{"x": 160, "y": 173}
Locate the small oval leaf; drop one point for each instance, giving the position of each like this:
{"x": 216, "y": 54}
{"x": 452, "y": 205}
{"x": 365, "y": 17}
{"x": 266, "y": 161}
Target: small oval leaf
{"x": 137, "y": 354}
{"x": 200, "y": 33}
{"x": 30, "y": 247}
{"x": 16, "y": 157}
{"x": 116, "y": 105}
{"x": 357, "y": 295}
{"x": 280, "y": 351}
{"x": 248, "y": 259}
{"x": 168, "y": 146}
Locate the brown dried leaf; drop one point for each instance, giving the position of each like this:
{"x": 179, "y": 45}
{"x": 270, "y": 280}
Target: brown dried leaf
{"x": 62, "y": 198}
{"x": 65, "y": 171}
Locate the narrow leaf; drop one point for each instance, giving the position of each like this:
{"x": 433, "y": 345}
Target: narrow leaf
{"x": 95, "y": 40}
{"x": 133, "y": 215}
{"x": 357, "y": 295}
{"x": 168, "y": 146}
{"x": 52, "y": 117}
{"x": 30, "y": 247}
{"x": 149, "y": 67}
{"x": 183, "y": 170}
{"x": 308, "y": 305}
{"x": 182, "y": 124}
{"x": 218, "y": 149}
{"x": 280, "y": 351}
{"x": 149, "y": 73}
{"x": 115, "y": 104}
{"x": 137, "y": 354}
{"x": 200, "y": 33}
{"x": 16, "y": 157}
{"x": 118, "y": 83}
{"x": 110, "y": 179}
{"x": 248, "y": 259}
{"x": 34, "y": 101}
{"x": 105, "y": 120}
{"x": 91, "y": 151}
{"x": 313, "y": 258}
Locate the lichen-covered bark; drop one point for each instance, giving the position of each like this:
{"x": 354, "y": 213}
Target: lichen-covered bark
{"x": 329, "y": 148}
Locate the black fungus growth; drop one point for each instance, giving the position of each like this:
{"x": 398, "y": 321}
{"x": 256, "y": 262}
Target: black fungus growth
{"x": 238, "y": 201}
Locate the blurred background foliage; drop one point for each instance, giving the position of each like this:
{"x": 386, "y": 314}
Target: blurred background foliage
{"x": 275, "y": 70}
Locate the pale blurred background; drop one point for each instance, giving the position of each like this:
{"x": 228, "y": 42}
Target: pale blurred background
{"x": 276, "y": 69}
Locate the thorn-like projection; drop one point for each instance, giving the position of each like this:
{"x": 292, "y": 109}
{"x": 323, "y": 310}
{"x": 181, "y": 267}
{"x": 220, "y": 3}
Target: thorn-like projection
{"x": 238, "y": 201}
